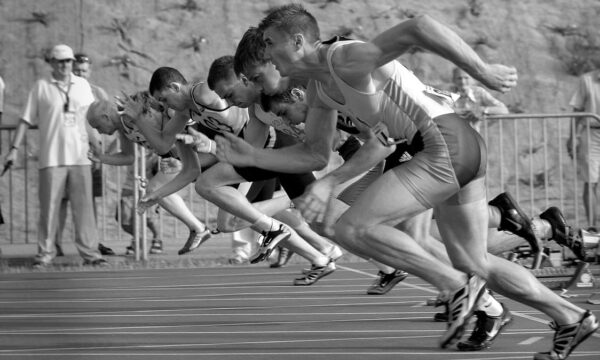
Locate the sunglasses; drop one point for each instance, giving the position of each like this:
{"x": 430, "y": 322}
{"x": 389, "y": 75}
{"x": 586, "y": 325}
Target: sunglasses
{"x": 63, "y": 61}
{"x": 82, "y": 59}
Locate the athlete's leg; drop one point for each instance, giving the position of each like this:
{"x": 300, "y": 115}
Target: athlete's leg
{"x": 463, "y": 228}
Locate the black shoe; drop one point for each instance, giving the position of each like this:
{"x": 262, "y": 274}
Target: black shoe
{"x": 562, "y": 233}
{"x": 485, "y": 331}
{"x": 386, "y": 282}
{"x": 269, "y": 241}
{"x": 59, "y": 250}
{"x": 194, "y": 241}
{"x": 567, "y": 337}
{"x": 96, "y": 262}
{"x": 442, "y": 316}
{"x": 104, "y": 250}
{"x": 514, "y": 220}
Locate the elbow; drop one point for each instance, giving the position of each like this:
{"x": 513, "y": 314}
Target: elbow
{"x": 319, "y": 162}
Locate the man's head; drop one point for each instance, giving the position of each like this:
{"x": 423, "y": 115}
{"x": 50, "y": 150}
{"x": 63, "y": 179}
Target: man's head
{"x": 236, "y": 90}
{"x": 286, "y": 31}
{"x": 289, "y": 104}
{"x": 249, "y": 60}
{"x": 82, "y": 65}
{"x": 61, "y": 59}
{"x": 461, "y": 79}
{"x": 167, "y": 85}
{"x": 103, "y": 116}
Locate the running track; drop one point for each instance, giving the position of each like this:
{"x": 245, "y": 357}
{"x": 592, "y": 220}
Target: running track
{"x": 244, "y": 312}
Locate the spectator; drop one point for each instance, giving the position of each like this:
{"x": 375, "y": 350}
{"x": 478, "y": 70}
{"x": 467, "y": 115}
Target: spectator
{"x": 57, "y": 105}
{"x": 474, "y": 102}
{"x": 587, "y": 99}
{"x": 82, "y": 67}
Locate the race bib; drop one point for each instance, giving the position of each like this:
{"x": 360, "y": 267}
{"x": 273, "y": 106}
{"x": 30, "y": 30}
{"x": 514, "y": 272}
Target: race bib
{"x": 69, "y": 119}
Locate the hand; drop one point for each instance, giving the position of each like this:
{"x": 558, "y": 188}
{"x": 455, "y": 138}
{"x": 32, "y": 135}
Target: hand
{"x": 570, "y": 143}
{"x": 199, "y": 142}
{"x": 499, "y": 77}
{"x": 234, "y": 150}
{"x": 131, "y": 108}
{"x": 469, "y": 115}
{"x": 146, "y": 202}
{"x": 93, "y": 155}
{"x": 316, "y": 205}
{"x": 11, "y": 157}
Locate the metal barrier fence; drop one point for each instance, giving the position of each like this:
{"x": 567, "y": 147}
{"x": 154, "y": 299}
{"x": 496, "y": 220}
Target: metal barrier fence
{"x": 527, "y": 156}
{"x": 19, "y": 201}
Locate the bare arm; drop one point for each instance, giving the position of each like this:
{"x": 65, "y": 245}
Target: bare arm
{"x": 122, "y": 158}
{"x": 189, "y": 173}
{"x": 370, "y": 154}
{"x": 16, "y": 143}
{"x": 427, "y": 33}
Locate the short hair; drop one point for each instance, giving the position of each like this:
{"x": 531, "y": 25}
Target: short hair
{"x": 289, "y": 96}
{"x": 99, "y": 108}
{"x": 250, "y": 51}
{"x": 292, "y": 19}
{"x": 220, "y": 69}
{"x": 82, "y": 58}
{"x": 163, "y": 76}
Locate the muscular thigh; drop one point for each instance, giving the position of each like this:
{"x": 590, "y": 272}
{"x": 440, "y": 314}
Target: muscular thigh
{"x": 386, "y": 200}
{"x": 220, "y": 174}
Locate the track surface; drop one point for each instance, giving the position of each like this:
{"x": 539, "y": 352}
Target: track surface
{"x": 244, "y": 312}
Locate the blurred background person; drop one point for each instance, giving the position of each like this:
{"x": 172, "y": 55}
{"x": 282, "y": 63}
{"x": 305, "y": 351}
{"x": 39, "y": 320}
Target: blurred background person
{"x": 82, "y": 67}
{"x": 587, "y": 99}
{"x": 474, "y": 102}
{"x": 57, "y": 105}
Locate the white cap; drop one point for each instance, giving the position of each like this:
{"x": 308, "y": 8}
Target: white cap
{"x": 62, "y": 52}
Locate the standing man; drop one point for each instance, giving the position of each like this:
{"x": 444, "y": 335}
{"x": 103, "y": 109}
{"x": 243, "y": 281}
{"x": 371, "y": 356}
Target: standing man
{"x": 587, "y": 99}
{"x": 57, "y": 105}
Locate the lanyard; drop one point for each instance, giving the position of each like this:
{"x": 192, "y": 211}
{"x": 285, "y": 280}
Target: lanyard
{"x": 66, "y": 104}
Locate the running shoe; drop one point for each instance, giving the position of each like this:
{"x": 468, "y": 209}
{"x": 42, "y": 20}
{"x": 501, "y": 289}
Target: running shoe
{"x": 194, "y": 240}
{"x": 157, "y": 247}
{"x": 96, "y": 262}
{"x": 485, "y": 331}
{"x": 269, "y": 241}
{"x": 315, "y": 274}
{"x": 460, "y": 308}
{"x": 105, "y": 250}
{"x": 567, "y": 337}
{"x": 562, "y": 233}
{"x": 285, "y": 255}
{"x": 386, "y": 282}
{"x": 514, "y": 220}
{"x": 237, "y": 260}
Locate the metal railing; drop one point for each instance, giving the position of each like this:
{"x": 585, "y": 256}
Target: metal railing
{"x": 19, "y": 201}
{"x": 527, "y": 155}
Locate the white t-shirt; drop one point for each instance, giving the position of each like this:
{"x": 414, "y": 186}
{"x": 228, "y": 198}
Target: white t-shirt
{"x": 63, "y": 135}
{"x": 1, "y": 95}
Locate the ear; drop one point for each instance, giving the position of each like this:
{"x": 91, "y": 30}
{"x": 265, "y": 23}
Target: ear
{"x": 175, "y": 86}
{"x": 244, "y": 79}
{"x": 298, "y": 40}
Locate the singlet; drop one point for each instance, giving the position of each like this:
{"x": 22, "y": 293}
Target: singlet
{"x": 403, "y": 103}
{"x": 212, "y": 121}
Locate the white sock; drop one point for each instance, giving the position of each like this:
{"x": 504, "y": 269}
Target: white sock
{"x": 488, "y": 304}
{"x": 541, "y": 228}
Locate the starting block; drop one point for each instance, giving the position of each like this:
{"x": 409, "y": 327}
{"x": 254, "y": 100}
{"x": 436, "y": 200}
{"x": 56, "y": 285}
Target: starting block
{"x": 567, "y": 279}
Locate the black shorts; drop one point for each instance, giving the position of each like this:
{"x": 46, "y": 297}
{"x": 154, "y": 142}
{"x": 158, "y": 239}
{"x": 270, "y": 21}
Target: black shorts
{"x": 293, "y": 184}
